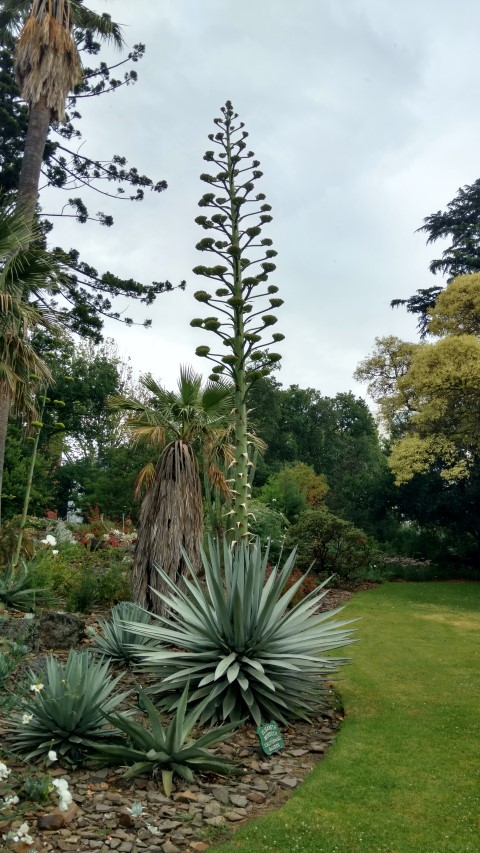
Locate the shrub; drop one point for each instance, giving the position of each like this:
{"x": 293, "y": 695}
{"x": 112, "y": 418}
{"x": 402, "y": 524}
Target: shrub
{"x": 237, "y": 645}
{"x": 66, "y": 713}
{"x": 117, "y": 642}
{"x": 167, "y": 751}
{"x": 84, "y": 579}
{"x": 269, "y": 525}
{"x": 333, "y": 545}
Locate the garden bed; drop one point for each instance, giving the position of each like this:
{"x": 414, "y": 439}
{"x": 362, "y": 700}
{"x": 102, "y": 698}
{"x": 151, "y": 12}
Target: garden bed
{"x": 197, "y": 814}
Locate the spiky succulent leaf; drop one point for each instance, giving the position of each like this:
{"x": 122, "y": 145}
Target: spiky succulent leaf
{"x": 166, "y": 751}
{"x": 15, "y": 589}
{"x": 236, "y": 639}
{"x": 67, "y": 714}
{"x": 116, "y": 641}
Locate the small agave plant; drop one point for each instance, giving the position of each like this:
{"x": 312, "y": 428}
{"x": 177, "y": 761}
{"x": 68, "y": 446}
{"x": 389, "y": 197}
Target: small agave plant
{"x": 167, "y": 751}
{"x": 117, "y": 642}
{"x": 66, "y": 714}
{"x": 234, "y": 640}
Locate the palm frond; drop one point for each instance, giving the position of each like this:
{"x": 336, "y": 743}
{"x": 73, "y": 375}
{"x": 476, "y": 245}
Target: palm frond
{"x": 47, "y": 62}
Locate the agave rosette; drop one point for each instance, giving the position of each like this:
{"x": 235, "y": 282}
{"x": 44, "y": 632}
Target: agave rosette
{"x": 67, "y": 713}
{"x": 116, "y": 641}
{"x": 234, "y": 640}
{"x": 168, "y": 751}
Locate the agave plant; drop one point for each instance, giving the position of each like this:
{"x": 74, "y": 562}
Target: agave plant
{"x": 237, "y": 643}
{"x": 66, "y": 713}
{"x": 117, "y": 642}
{"x": 167, "y": 751}
{"x": 15, "y": 589}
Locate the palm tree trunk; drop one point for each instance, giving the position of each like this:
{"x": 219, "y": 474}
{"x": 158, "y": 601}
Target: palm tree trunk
{"x": 5, "y": 403}
{"x": 171, "y": 520}
{"x": 37, "y": 133}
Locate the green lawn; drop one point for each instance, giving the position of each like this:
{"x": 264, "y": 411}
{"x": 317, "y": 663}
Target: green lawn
{"x": 404, "y": 773}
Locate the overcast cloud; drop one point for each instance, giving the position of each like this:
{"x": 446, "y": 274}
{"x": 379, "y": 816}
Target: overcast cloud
{"x": 364, "y": 115}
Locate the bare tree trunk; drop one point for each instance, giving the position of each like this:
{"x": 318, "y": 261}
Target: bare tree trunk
{"x": 5, "y": 403}
{"x": 171, "y": 518}
{"x": 37, "y": 133}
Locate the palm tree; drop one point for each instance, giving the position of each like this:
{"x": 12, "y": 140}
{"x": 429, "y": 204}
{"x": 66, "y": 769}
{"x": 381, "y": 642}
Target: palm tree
{"x": 22, "y": 271}
{"x": 48, "y": 67}
{"x": 194, "y": 428}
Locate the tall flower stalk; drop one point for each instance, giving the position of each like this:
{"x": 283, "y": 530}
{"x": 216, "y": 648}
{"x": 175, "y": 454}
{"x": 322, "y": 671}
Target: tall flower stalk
{"x": 240, "y": 319}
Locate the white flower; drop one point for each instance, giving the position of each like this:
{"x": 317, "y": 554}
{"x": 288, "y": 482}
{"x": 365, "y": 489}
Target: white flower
{"x": 52, "y": 756}
{"x": 22, "y": 834}
{"x": 54, "y": 552}
{"x": 136, "y": 809}
{"x": 27, "y": 718}
{"x": 36, "y": 687}
{"x": 49, "y": 540}
{"x": 11, "y": 801}
{"x": 64, "y": 795}
{"x": 4, "y": 772}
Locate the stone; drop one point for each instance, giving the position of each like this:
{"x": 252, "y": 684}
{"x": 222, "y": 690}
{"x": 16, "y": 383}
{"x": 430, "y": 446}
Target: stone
{"x": 125, "y": 847}
{"x": 99, "y": 775}
{"x": 260, "y": 785}
{"x": 288, "y": 782}
{"x": 256, "y": 797}
{"x": 199, "y": 846}
{"x": 60, "y": 630}
{"x": 234, "y": 816}
{"x": 157, "y": 797}
{"x": 51, "y": 822}
{"x": 297, "y": 753}
{"x": 168, "y": 847}
{"x": 212, "y": 809}
{"x": 70, "y": 814}
{"x": 220, "y": 793}
{"x": 317, "y": 747}
{"x": 216, "y": 821}
{"x": 238, "y": 800}
{"x": 22, "y": 632}
{"x": 168, "y": 825}
{"x": 185, "y": 797}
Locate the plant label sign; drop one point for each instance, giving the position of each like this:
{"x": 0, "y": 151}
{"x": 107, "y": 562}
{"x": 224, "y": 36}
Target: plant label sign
{"x": 270, "y": 737}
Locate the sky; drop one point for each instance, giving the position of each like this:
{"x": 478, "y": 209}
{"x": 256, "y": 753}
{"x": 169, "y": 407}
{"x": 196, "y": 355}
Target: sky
{"x": 364, "y": 115}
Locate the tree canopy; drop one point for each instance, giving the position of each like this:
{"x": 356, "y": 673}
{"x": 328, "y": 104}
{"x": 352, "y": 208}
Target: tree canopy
{"x": 86, "y": 295}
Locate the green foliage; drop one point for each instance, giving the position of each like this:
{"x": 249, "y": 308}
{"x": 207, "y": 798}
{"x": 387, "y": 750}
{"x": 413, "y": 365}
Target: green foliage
{"x": 18, "y": 453}
{"x": 293, "y": 489}
{"x": 36, "y": 788}
{"x": 67, "y": 713}
{"x": 116, "y": 641}
{"x": 238, "y": 645}
{"x": 10, "y": 656}
{"x": 268, "y": 524}
{"x": 457, "y": 309}
{"x": 442, "y": 391}
{"x": 336, "y": 436}
{"x": 333, "y": 545}
{"x": 16, "y": 588}
{"x": 167, "y": 751}
{"x": 83, "y": 578}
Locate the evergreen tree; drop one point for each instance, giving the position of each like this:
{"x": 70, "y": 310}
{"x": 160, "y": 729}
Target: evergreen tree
{"x": 88, "y": 295}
